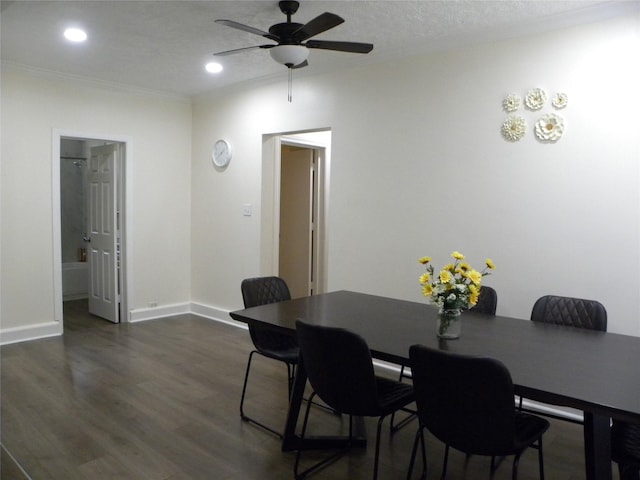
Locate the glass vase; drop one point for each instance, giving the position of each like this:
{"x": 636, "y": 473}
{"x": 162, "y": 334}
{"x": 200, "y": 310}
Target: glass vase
{"x": 449, "y": 323}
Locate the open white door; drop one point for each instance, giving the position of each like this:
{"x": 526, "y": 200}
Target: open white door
{"x": 103, "y": 233}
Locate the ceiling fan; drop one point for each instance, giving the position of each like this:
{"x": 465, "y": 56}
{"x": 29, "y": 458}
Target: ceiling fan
{"x": 294, "y": 39}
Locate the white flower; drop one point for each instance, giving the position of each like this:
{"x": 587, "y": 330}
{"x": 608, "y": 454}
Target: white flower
{"x": 535, "y": 99}
{"x": 560, "y": 100}
{"x": 550, "y": 128}
{"x": 511, "y": 102}
{"x": 514, "y": 128}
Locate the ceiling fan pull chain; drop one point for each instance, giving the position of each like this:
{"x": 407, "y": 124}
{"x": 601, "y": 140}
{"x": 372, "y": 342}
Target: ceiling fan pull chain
{"x": 290, "y": 89}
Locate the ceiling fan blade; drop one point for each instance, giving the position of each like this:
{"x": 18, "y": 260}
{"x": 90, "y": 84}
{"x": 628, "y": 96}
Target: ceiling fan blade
{"x": 247, "y": 28}
{"x": 320, "y": 24}
{"x": 352, "y": 47}
{"x": 238, "y": 50}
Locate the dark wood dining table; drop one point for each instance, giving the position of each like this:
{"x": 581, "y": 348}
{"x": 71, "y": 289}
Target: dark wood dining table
{"x": 596, "y": 372}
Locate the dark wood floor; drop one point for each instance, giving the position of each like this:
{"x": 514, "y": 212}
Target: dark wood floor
{"x": 159, "y": 400}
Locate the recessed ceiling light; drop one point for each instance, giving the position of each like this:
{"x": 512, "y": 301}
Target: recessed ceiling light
{"x": 75, "y": 35}
{"x": 213, "y": 67}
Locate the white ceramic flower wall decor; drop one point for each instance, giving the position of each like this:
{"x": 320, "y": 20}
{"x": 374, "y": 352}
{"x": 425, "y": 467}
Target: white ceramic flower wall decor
{"x": 550, "y": 128}
{"x": 511, "y": 102}
{"x": 514, "y": 128}
{"x": 535, "y": 99}
{"x": 560, "y": 100}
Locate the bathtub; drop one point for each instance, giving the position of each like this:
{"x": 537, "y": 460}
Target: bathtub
{"x": 75, "y": 280}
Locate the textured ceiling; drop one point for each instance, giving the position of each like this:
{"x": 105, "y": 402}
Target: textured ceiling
{"x": 163, "y": 45}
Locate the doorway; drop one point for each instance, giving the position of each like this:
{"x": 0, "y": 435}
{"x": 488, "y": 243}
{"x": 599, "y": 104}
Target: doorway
{"x": 297, "y": 218}
{"x": 90, "y": 199}
{"x": 294, "y": 203}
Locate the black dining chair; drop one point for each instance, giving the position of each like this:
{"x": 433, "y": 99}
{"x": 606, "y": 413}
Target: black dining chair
{"x": 266, "y": 342}
{"x": 467, "y": 403}
{"x": 625, "y": 449}
{"x": 341, "y": 373}
{"x": 487, "y": 301}
{"x": 570, "y": 312}
{"x": 487, "y": 304}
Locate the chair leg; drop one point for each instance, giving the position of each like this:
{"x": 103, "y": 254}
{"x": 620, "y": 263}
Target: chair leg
{"x": 394, "y": 427}
{"x": 414, "y": 450}
{"x": 244, "y": 385}
{"x": 393, "y": 415}
{"x": 245, "y": 417}
{"x": 444, "y": 464}
{"x": 540, "y": 459}
{"x": 418, "y": 439}
{"x": 516, "y": 460}
{"x": 377, "y": 455}
{"x": 291, "y": 375}
{"x": 495, "y": 462}
{"x": 424, "y": 454}
{"x": 323, "y": 463}
{"x": 302, "y": 434}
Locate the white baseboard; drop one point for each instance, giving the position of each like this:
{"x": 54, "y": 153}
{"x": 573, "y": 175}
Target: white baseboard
{"x": 216, "y": 314}
{"x": 199, "y": 309}
{"x": 161, "y": 311}
{"x": 32, "y": 332}
{"x": 563, "y": 412}
{"x": 53, "y": 329}
{"x": 392, "y": 367}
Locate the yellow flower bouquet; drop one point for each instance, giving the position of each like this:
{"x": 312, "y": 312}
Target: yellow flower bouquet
{"x": 457, "y": 286}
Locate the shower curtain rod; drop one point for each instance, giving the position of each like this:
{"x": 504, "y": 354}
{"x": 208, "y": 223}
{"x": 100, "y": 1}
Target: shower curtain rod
{"x": 62, "y": 157}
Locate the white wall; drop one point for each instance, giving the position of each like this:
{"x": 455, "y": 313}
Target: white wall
{"x": 33, "y": 106}
{"x": 419, "y": 168}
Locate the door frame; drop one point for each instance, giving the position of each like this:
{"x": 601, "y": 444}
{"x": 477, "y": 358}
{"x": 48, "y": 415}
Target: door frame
{"x": 270, "y": 200}
{"x": 125, "y": 179}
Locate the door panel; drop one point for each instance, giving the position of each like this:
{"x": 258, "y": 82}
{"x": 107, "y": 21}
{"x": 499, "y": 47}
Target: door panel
{"x": 102, "y": 246}
{"x": 296, "y": 192}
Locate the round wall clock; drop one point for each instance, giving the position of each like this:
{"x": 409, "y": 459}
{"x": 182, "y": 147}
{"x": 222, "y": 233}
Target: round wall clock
{"x": 221, "y": 155}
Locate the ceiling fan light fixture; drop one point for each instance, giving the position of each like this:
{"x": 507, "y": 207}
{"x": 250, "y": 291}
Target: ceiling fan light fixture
{"x": 289, "y": 55}
{"x": 213, "y": 67}
{"x": 75, "y": 35}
